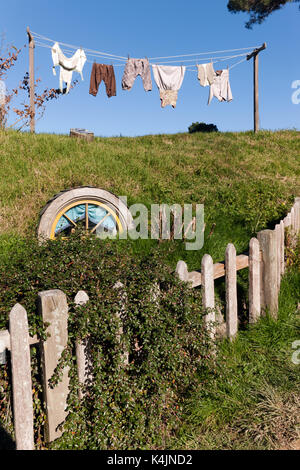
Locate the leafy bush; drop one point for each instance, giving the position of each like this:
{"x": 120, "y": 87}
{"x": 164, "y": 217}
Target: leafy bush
{"x": 202, "y": 127}
{"x": 132, "y": 406}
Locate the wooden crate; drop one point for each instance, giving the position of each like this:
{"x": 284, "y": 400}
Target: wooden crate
{"x": 82, "y": 134}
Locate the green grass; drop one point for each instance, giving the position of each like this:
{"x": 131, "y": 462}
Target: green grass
{"x": 245, "y": 181}
{"x": 251, "y": 399}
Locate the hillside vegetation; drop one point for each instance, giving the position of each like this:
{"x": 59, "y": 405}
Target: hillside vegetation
{"x": 245, "y": 397}
{"x": 245, "y": 181}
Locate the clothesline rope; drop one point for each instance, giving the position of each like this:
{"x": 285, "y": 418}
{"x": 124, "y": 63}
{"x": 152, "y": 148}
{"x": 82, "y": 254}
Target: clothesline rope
{"x": 117, "y": 57}
{"x": 204, "y": 53}
{"x": 213, "y": 59}
{"x": 237, "y": 63}
{"x": 39, "y": 36}
{"x": 64, "y": 50}
{"x": 207, "y": 58}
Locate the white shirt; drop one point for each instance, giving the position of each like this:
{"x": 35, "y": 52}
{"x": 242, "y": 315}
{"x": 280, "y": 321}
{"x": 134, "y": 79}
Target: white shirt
{"x": 67, "y": 65}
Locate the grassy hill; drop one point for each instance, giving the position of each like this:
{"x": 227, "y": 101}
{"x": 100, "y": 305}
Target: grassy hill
{"x": 245, "y": 181}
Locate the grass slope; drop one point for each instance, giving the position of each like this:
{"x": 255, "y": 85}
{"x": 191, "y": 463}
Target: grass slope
{"x": 252, "y": 398}
{"x": 245, "y": 181}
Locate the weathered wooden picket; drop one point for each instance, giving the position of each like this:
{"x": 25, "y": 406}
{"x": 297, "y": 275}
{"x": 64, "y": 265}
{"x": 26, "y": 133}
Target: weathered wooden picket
{"x": 266, "y": 262}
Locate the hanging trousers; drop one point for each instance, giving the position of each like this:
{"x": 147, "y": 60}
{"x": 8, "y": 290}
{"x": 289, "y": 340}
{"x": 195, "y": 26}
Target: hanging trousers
{"x": 106, "y": 73}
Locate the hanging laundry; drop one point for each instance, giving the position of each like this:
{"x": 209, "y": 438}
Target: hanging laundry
{"x": 133, "y": 68}
{"x": 220, "y": 87}
{"x": 206, "y": 74}
{"x": 67, "y": 65}
{"x": 106, "y": 73}
{"x": 168, "y": 80}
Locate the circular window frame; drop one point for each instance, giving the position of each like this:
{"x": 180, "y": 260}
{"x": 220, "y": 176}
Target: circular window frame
{"x": 67, "y": 199}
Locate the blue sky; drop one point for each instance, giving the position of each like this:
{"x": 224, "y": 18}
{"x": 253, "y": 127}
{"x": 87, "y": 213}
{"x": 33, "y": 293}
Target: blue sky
{"x": 151, "y": 29}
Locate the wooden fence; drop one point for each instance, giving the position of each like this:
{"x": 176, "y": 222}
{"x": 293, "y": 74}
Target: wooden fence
{"x": 266, "y": 262}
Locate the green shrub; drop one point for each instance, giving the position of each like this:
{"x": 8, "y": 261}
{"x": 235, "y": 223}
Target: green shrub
{"x": 133, "y": 406}
{"x": 202, "y": 127}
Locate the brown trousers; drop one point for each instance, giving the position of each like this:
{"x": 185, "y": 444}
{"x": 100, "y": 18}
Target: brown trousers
{"x": 106, "y": 73}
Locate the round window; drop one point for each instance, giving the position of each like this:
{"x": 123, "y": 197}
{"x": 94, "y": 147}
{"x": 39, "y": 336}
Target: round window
{"x": 91, "y": 209}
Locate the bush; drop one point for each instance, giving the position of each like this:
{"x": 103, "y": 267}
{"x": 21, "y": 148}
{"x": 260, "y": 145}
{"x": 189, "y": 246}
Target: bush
{"x": 202, "y": 127}
{"x": 136, "y": 406}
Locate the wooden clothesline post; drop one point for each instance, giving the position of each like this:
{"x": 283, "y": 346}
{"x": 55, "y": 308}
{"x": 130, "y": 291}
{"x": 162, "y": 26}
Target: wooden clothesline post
{"x": 31, "y": 80}
{"x": 254, "y": 54}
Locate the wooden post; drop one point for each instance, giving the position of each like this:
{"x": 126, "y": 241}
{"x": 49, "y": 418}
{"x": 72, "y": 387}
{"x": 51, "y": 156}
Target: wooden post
{"x": 21, "y": 378}
{"x": 54, "y": 309}
{"x": 31, "y": 80}
{"x": 255, "y": 92}
{"x": 182, "y": 270}
{"x": 208, "y": 292}
{"x": 254, "y": 54}
{"x": 278, "y": 246}
{"x": 293, "y": 221}
{"x": 269, "y": 288}
{"x": 123, "y": 299}
{"x": 254, "y": 281}
{"x": 287, "y": 220}
{"x": 2, "y": 103}
{"x": 83, "y": 357}
{"x": 297, "y": 215}
{"x": 282, "y": 247}
{"x": 231, "y": 292}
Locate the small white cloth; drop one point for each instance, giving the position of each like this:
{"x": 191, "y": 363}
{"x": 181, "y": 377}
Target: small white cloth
{"x": 67, "y": 65}
{"x": 206, "y": 74}
{"x": 221, "y": 87}
{"x": 168, "y": 80}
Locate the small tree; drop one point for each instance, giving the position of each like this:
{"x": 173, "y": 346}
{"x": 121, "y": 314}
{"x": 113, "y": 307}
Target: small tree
{"x": 23, "y": 112}
{"x": 202, "y": 127}
{"x": 258, "y": 9}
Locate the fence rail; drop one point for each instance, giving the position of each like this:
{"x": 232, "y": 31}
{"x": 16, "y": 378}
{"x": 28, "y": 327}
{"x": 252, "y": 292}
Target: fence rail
{"x": 266, "y": 264}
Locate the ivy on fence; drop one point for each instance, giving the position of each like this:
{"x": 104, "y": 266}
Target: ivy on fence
{"x": 133, "y": 406}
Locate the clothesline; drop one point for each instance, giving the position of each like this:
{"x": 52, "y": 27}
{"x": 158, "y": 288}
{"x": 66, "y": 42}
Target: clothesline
{"x": 213, "y": 59}
{"x": 167, "y": 78}
{"x": 95, "y": 53}
{"x": 229, "y": 68}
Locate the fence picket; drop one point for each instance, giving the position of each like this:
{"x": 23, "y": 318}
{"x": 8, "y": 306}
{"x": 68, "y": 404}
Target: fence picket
{"x": 123, "y": 299}
{"x": 208, "y": 292}
{"x": 254, "y": 280}
{"x": 54, "y": 309}
{"x": 231, "y": 292}
{"x": 21, "y": 378}
{"x": 269, "y": 288}
{"x": 278, "y": 254}
{"x": 83, "y": 358}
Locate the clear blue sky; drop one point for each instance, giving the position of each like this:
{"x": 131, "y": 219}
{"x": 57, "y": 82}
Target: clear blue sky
{"x": 159, "y": 28}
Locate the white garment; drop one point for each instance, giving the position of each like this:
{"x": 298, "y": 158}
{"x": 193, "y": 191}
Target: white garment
{"x": 221, "y": 87}
{"x": 67, "y": 65}
{"x": 206, "y": 74}
{"x": 168, "y": 80}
